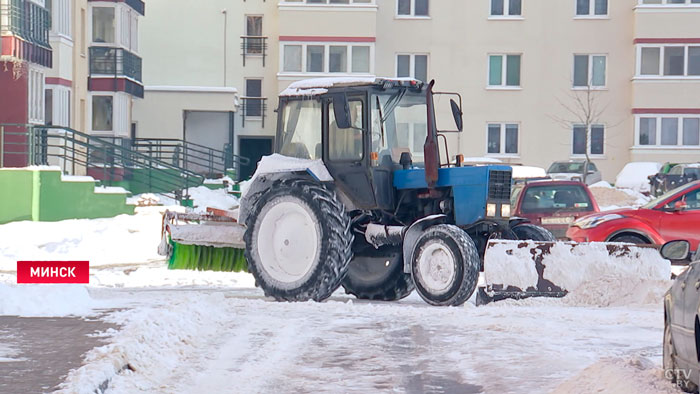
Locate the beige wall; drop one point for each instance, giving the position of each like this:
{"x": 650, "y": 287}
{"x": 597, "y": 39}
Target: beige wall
{"x": 79, "y": 100}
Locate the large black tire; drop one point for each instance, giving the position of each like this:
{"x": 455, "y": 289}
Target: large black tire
{"x": 532, "y": 232}
{"x": 285, "y": 262}
{"x": 445, "y": 265}
{"x": 377, "y": 274}
{"x": 671, "y": 371}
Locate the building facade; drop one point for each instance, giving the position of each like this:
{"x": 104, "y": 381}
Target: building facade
{"x": 541, "y": 80}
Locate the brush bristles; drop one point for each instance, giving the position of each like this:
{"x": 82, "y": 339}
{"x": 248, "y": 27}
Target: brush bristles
{"x": 207, "y": 258}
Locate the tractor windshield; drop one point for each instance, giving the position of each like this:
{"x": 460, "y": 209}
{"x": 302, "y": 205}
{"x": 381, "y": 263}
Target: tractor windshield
{"x": 398, "y": 124}
{"x": 300, "y": 135}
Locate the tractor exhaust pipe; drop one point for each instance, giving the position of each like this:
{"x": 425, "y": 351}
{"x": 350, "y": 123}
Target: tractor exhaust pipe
{"x": 431, "y": 151}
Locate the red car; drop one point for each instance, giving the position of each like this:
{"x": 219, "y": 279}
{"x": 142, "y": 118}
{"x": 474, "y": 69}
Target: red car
{"x": 553, "y": 205}
{"x": 674, "y": 215}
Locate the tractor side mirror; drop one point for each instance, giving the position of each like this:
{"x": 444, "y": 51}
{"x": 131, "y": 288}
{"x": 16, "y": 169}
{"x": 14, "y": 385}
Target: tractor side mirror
{"x": 680, "y": 206}
{"x": 457, "y": 114}
{"x": 675, "y": 250}
{"x": 341, "y": 110}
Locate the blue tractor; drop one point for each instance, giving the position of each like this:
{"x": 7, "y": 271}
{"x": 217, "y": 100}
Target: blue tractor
{"x": 357, "y": 196}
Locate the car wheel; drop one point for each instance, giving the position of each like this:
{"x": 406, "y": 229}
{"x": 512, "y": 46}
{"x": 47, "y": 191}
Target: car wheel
{"x": 630, "y": 239}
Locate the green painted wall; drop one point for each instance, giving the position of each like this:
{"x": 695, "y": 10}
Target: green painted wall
{"x": 41, "y": 195}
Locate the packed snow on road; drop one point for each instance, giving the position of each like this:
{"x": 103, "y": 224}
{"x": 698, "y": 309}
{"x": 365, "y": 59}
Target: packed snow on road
{"x": 186, "y": 331}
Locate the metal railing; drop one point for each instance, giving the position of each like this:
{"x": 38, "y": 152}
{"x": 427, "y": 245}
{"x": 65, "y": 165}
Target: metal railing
{"x": 115, "y": 61}
{"x": 107, "y": 161}
{"x": 254, "y": 46}
{"x": 27, "y": 20}
{"x": 194, "y": 157}
{"x": 253, "y": 107}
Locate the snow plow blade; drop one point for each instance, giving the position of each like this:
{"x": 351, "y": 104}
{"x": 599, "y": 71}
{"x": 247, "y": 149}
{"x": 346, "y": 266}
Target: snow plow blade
{"x": 522, "y": 269}
{"x": 204, "y": 242}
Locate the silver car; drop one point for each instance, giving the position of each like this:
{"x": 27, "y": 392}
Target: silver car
{"x": 681, "y": 349}
{"x": 573, "y": 170}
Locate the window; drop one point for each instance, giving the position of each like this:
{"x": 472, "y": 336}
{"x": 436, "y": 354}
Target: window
{"x": 669, "y": 2}
{"x": 589, "y": 70}
{"x": 412, "y": 66}
{"x": 61, "y": 17}
{"x": 103, "y": 24}
{"x": 668, "y": 130}
{"x": 502, "y": 139}
{"x": 102, "y": 112}
{"x": 346, "y": 144}
{"x": 35, "y": 79}
{"x": 57, "y": 106}
{"x": 501, "y": 8}
{"x": 254, "y": 28}
{"x": 301, "y": 129}
{"x": 504, "y": 70}
{"x": 326, "y": 58}
{"x": 253, "y": 89}
{"x": 412, "y": 8}
{"x": 594, "y": 8}
{"x": 539, "y": 199}
{"x": 595, "y": 140}
{"x": 669, "y": 61}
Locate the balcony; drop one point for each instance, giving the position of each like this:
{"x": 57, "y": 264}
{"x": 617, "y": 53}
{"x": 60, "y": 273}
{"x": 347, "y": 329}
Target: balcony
{"x": 24, "y": 26}
{"x": 115, "y": 62}
{"x": 253, "y": 107}
{"x": 255, "y": 46}
{"x": 137, "y": 5}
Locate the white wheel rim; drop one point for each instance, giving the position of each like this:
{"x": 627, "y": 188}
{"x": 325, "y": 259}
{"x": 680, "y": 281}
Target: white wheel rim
{"x": 436, "y": 267}
{"x": 288, "y": 240}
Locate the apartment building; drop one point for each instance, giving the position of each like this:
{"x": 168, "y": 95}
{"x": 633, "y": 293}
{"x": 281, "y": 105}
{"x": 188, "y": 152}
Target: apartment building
{"x": 70, "y": 63}
{"x": 541, "y": 80}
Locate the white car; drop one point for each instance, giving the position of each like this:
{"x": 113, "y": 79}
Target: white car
{"x": 573, "y": 170}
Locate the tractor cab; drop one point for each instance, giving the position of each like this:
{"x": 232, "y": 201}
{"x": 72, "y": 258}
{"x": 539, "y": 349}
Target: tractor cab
{"x": 369, "y": 128}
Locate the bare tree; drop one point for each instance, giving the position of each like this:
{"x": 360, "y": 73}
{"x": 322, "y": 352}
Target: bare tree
{"x": 583, "y": 109}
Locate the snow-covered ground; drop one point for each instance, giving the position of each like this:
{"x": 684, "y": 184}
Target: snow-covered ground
{"x": 183, "y": 332}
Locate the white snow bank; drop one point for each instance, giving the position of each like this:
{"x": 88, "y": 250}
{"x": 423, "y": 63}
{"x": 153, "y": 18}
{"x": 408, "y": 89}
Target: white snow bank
{"x": 317, "y": 86}
{"x": 161, "y": 276}
{"x": 587, "y": 271}
{"x": 124, "y": 239}
{"x": 481, "y": 160}
{"x": 45, "y": 300}
{"x": 219, "y": 181}
{"x": 634, "y": 375}
{"x": 601, "y": 184}
{"x": 635, "y": 175}
{"x": 110, "y": 190}
{"x": 528, "y": 172}
{"x": 204, "y": 197}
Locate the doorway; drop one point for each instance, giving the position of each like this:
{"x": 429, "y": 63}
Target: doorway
{"x": 253, "y": 148}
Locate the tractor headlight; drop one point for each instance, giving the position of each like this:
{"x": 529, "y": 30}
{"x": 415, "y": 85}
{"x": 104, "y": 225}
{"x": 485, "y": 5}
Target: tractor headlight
{"x": 505, "y": 210}
{"x": 594, "y": 221}
{"x": 491, "y": 210}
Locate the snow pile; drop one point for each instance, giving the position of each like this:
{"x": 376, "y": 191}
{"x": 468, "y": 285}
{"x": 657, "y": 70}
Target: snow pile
{"x": 520, "y": 172}
{"x": 145, "y": 200}
{"x": 45, "y": 300}
{"x": 279, "y": 163}
{"x": 203, "y": 197}
{"x": 601, "y": 184}
{"x": 122, "y": 239}
{"x": 151, "y": 343}
{"x": 635, "y": 175}
{"x": 629, "y": 276}
{"x": 634, "y": 375}
{"x": 161, "y": 276}
{"x": 609, "y": 198}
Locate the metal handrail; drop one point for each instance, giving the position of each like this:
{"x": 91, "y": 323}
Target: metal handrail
{"x": 254, "y": 46}
{"x": 70, "y": 147}
{"x": 253, "y": 107}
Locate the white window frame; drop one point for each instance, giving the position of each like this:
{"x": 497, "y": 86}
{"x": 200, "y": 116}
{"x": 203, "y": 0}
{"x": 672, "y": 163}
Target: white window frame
{"x": 662, "y": 63}
{"x": 61, "y": 19}
{"x": 326, "y": 3}
{"x": 411, "y": 64}
{"x": 657, "y": 145}
{"x": 326, "y": 58}
{"x": 124, "y": 17}
{"x": 502, "y": 148}
{"x": 413, "y": 11}
{"x": 121, "y": 113}
{"x": 60, "y": 109}
{"x": 591, "y": 11}
{"x": 504, "y": 72}
{"x": 36, "y": 86}
{"x": 588, "y": 143}
{"x": 590, "y": 72}
{"x": 667, "y": 4}
{"x": 506, "y": 12}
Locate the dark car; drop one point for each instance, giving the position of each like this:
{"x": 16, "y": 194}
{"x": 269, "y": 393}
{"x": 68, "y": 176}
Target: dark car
{"x": 677, "y": 175}
{"x": 681, "y": 347}
{"x": 553, "y": 205}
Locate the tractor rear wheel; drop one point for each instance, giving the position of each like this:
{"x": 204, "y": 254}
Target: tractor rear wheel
{"x": 445, "y": 265}
{"x": 377, "y": 274}
{"x": 298, "y": 241}
{"x": 532, "y": 232}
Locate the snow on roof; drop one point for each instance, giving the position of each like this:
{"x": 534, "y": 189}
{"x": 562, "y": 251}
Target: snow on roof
{"x": 318, "y": 86}
{"x": 528, "y": 172}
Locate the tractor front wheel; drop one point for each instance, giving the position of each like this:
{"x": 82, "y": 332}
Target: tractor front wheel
{"x": 298, "y": 241}
{"x": 445, "y": 265}
{"x": 377, "y": 274}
